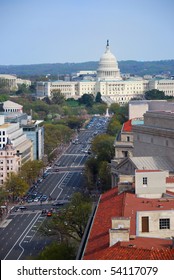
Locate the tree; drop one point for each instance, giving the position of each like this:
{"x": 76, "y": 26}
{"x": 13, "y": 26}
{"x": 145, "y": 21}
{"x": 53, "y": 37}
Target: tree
{"x": 91, "y": 172}
{"x": 56, "y": 251}
{"x": 114, "y": 108}
{"x": 23, "y": 89}
{"x": 87, "y": 99}
{"x": 102, "y": 147}
{"x": 58, "y": 98}
{"x": 104, "y": 174}
{"x": 154, "y": 94}
{"x": 55, "y": 135}
{"x": 71, "y": 221}
{"x": 98, "y": 98}
{"x": 31, "y": 170}
{"x": 74, "y": 122}
{"x": 98, "y": 108}
{"x": 114, "y": 127}
{"x": 16, "y": 186}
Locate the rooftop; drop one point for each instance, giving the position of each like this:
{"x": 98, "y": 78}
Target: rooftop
{"x": 112, "y": 204}
{"x": 127, "y": 126}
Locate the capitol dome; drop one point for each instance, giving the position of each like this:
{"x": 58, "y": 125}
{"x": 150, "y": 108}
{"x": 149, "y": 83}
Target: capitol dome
{"x": 108, "y": 66}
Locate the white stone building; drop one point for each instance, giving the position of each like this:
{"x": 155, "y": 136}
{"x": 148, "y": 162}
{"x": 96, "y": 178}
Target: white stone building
{"x": 21, "y": 148}
{"x": 12, "y": 81}
{"x": 108, "y": 82}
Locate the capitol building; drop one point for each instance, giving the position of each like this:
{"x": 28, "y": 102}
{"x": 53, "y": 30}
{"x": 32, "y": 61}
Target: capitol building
{"x": 108, "y": 81}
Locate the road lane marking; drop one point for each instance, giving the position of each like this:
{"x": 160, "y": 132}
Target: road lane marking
{"x": 21, "y": 235}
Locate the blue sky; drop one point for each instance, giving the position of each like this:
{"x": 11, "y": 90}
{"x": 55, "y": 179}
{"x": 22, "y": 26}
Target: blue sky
{"x": 52, "y": 31}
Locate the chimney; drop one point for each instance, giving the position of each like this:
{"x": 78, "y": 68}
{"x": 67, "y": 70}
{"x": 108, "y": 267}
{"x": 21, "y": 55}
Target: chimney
{"x": 120, "y": 230}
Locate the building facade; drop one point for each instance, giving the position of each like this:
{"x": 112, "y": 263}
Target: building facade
{"x": 18, "y": 152}
{"x": 12, "y": 81}
{"x": 34, "y": 130}
{"x": 108, "y": 82}
{"x": 156, "y": 136}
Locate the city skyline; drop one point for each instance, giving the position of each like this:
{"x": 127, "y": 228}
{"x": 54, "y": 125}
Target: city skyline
{"x": 35, "y": 32}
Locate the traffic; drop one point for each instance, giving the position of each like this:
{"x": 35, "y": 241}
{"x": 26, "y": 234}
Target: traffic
{"x": 19, "y": 233}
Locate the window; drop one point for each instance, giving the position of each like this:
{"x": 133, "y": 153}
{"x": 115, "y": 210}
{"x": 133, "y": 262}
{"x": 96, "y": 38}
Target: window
{"x": 145, "y": 181}
{"x": 128, "y": 138}
{"x": 164, "y": 223}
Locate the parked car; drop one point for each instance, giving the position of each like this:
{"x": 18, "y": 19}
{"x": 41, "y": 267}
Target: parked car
{"x": 43, "y": 198}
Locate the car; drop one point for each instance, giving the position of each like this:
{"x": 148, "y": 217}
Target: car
{"x": 40, "y": 180}
{"x": 49, "y": 214}
{"x": 22, "y": 207}
{"x": 43, "y": 198}
{"x": 36, "y": 199}
{"x": 45, "y": 175}
{"x": 44, "y": 211}
{"x": 29, "y": 200}
{"x": 57, "y": 203}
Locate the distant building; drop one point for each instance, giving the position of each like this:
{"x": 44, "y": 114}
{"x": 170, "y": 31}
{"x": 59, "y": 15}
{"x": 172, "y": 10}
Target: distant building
{"x": 9, "y": 80}
{"x": 137, "y": 108}
{"x": 12, "y": 107}
{"x": 156, "y": 136}
{"x": 124, "y": 140}
{"x": 34, "y": 131}
{"x": 12, "y": 81}
{"x": 108, "y": 81}
{"x": 10, "y": 161}
{"x": 20, "y": 145}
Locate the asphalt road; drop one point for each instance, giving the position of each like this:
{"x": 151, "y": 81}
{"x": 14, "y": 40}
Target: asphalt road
{"x": 19, "y": 233}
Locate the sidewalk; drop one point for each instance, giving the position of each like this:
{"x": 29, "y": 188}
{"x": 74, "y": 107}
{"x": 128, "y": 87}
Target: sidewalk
{"x": 6, "y": 213}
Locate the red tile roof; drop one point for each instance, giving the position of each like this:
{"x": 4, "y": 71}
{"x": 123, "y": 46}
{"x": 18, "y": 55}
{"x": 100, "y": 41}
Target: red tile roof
{"x": 127, "y": 126}
{"x": 113, "y": 204}
{"x": 117, "y": 252}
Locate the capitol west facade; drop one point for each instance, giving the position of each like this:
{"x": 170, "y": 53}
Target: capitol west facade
{"x": 108, "y": 82}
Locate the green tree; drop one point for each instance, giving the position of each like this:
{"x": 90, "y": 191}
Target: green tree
{"x": 114, "y": 108}
{"x": 87, "y": 99}
{"x": 154, "y": 94}
{"x": 114, "y": 127}
{"x": 98, "y": 98}
{"x": 56, "y": 251}
{"x": 23, "y": 89}
{"x": 58, "y": 98}
{"x": 98, "y": 108}
{"x": 91, "y": 172}
{"x": 55, "y": 135}
{"x": 104, "y": 175}
{"x": 74, "y": 122}
{"x": 103, "y": 147}
{"x": 71, "y": 221}
{"x": 3, "y": 97}
{"x": 15, "y": 185}
{"x": 31, "y": 170}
